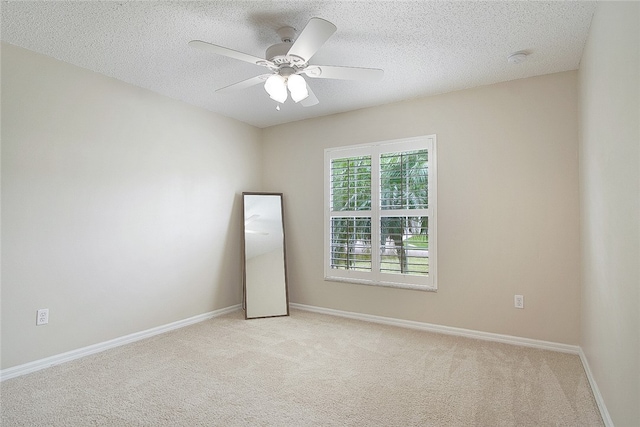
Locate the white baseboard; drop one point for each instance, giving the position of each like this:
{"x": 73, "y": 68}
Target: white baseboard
{"x": 47, "y": 362}
{"x": 606, "y": 418}
{"x": 449, "y": 330}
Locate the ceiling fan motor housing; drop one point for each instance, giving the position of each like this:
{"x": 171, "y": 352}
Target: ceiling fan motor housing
{"x": 278, "y": 55}
{"x": 277, "y": 51}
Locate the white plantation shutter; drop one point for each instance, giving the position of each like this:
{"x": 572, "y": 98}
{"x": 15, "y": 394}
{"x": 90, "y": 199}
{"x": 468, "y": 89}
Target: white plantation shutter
{"x": 380, "y": 213}
{"x": 351, "y": 183}
{"x": 351, "y": 243}
{"x": 397, "y": 171}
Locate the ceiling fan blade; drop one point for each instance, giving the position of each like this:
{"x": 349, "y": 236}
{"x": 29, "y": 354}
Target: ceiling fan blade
{"x": 313, "y": 36}
{"x": 244, "y": 84}
{"x": 309, "y": 100}
{"x": 344, "y": 73}
{"x": 208, "y": 47}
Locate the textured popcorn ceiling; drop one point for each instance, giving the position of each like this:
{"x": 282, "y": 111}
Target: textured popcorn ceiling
{"x": 424, "y": 47}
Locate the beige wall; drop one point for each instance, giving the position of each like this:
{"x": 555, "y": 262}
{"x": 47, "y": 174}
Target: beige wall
{"x": 507, "y": 206}
{"x": 610, "y": 207}
{"x": 120, "y": 207}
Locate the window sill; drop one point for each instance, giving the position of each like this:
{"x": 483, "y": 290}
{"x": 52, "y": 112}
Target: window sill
{"x": 396, "y": 285}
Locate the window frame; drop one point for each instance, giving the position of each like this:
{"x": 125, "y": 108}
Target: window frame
{"x": 375, "y": 277}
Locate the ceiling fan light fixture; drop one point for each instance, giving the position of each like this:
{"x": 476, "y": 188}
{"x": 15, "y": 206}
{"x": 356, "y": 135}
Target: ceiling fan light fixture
{"x": 298, "y": 87}
{"x": 276, "y": 88}
{"x": 287, "y": 61}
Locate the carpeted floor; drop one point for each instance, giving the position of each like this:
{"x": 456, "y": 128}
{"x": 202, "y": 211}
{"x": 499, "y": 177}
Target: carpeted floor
{"x": 305, "y": 370}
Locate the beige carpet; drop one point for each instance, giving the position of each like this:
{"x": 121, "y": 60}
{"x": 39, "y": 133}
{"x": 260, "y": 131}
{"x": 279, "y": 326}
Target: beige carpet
{"x": 305, "y": 370}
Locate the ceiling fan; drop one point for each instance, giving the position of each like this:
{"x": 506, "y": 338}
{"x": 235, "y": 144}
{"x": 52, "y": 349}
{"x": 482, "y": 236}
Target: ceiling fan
{"x": 289, "y": 60}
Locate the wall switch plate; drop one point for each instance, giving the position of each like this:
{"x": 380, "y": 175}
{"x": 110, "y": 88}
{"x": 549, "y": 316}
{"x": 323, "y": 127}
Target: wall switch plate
{"x": 42, "y": 318}
{"x": 518, "y": 301}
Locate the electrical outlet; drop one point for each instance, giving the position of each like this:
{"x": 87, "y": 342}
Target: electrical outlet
{"x": 42, "y": 318}
{"x": 518, "y": 301}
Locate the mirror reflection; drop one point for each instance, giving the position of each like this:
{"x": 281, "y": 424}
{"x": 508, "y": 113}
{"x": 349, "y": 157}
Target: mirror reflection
{"x": 265, "y": 278}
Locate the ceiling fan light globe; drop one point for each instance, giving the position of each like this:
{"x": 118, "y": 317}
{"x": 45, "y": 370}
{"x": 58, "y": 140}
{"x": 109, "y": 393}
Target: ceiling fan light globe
{"x": 276, "y": 88}
{"x": 299, "y": 96}
{"x": 298, "y": 87}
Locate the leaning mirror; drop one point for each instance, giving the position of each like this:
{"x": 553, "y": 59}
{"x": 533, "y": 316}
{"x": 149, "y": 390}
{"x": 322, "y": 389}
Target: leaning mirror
{"x": 265, "y": 270}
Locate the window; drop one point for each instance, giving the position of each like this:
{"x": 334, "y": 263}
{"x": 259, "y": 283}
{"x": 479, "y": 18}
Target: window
{"x": 380, "y": 213}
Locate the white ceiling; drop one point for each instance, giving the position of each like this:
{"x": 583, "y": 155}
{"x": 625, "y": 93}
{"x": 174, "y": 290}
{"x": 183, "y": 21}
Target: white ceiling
{"x": 424, "y": 47}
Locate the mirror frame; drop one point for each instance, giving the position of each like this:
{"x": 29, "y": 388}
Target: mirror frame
{"x": 244, "y": 257}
